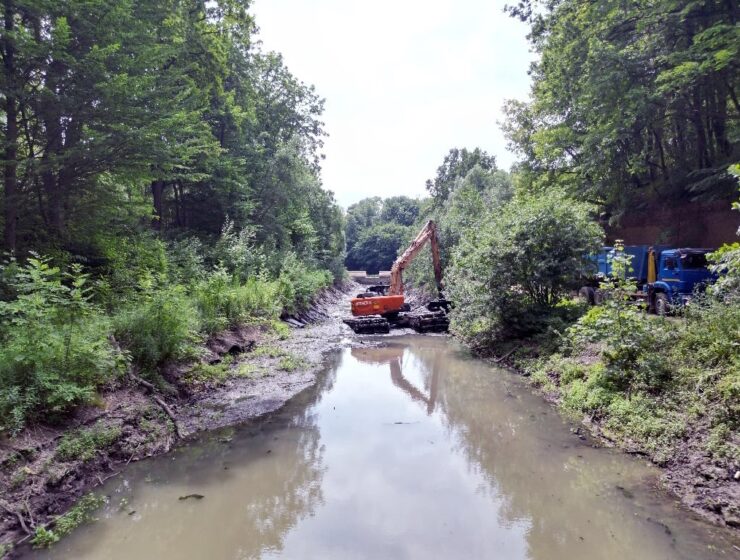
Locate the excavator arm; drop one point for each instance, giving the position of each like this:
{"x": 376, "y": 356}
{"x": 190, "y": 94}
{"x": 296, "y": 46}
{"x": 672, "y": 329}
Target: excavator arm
{"x": 427, "y": 233}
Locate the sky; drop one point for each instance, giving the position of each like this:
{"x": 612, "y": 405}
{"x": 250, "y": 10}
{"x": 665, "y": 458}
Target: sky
{"x": 404, "y": 81}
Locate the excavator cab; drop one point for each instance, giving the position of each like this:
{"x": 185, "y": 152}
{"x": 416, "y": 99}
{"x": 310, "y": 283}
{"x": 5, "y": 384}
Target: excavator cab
{"x": 381, "y": 308}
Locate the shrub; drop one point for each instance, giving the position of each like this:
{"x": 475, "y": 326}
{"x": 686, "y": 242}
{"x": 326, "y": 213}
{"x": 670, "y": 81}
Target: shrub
{"x": 222, "y": 301}
{"x": 55, "y": 349}
{"x": 162, "y": 324}
{"x": 508, "y": 276}
{"x": 298, "y": 284}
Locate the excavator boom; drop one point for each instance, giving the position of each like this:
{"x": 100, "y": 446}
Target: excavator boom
{"x": 427, "y": 233}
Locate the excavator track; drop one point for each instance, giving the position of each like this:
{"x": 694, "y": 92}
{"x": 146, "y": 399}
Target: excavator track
{"x": 432, "y": 321}
{"x": 420, "y": 321}
{"x": 369, "y": 325}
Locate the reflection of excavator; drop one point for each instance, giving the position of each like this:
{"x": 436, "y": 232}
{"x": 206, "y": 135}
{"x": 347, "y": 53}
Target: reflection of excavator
{"x": 383, "y": 307}
{"x": 393, "y": 355}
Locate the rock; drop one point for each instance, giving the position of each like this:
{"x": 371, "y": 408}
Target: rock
{"x": 194, "y": 496}
{"x": 737, "y": 475}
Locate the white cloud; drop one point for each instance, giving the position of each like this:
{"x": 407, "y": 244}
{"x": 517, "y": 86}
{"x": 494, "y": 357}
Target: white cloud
{"x": 404, "y": 81}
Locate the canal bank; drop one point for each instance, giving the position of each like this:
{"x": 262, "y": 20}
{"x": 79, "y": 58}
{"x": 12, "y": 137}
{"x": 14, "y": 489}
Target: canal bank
{"x": 408, "y": 447}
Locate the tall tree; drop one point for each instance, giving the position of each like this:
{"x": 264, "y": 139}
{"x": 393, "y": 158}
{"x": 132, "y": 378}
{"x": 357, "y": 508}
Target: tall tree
{"x": 632, "y": 102}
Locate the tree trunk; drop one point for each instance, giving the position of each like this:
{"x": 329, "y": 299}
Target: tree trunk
{"x": 49, "y": 167}
{"x": 158, "y": 202}
{"x": 10, "y": 182}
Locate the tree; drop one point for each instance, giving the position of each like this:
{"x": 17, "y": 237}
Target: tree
{"x": 633, "y": 103}
{"x": 400, "y": 209}
{"x": 377, "y": 247}
{"x": 456, "y": 165}
{"x": 509, "y": 273}
{"x": 361, "y": 216}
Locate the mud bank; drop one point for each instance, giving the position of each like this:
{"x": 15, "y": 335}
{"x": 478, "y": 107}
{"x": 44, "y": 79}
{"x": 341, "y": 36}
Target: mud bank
{"x": 708, "y": 486}
{"x": 243, "y": 373}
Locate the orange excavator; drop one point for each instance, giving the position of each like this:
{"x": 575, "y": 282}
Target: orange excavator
{"x": 384, "y": 307}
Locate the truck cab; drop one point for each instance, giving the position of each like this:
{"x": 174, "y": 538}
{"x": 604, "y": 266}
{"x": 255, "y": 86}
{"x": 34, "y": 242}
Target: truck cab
{"x": 680, "y": 272}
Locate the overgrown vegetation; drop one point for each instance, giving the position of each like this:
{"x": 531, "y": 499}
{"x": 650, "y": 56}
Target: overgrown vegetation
{"x": 165, "y": 186}
{"x": 81, "y": 512}
{"x": 647, "y": 379}
{"x": 82, "y": 445}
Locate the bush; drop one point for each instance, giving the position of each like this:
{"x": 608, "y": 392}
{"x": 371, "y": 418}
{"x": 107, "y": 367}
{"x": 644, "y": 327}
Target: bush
{"x": 55, "y": 350}
{"x": 222, "y": 301}
{"x": 298, "y": 284}
{"x": 161, "y": 325}
{"x": 508, "y": 275}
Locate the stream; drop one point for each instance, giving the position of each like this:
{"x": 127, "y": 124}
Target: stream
{"x": 410, "y": 450}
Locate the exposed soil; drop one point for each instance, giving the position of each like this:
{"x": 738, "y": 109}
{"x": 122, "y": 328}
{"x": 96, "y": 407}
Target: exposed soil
{"x": 42, "y": 475}
{"x": 708, "y": 486}
{"x": 39, "y": 482}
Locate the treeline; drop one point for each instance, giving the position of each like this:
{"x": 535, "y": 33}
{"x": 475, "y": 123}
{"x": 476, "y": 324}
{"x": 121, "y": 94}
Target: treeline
{"x": 377, "y": 229}
{"x": 120, "y": 115}
{"x": 633, "y": 103}
{"x": 161, "y": 182}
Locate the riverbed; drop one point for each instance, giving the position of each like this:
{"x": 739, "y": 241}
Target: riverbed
{"x": 407, "y": 447}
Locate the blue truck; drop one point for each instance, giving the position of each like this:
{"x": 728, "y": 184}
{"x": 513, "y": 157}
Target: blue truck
{"x": 666, "y": 277}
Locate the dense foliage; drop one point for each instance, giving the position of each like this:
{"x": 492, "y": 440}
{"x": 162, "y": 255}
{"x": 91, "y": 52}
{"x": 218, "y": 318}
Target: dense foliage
{"x": 124, "y": 114}
{"x": 376, "y": 230}
{"x": 510, "y": 272}
{"x": 632, "y": 102}
{"x": 169, "y": 171}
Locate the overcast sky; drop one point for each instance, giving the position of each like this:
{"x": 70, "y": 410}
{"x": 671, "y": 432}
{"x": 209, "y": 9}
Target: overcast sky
{"x": 404, "y": 81}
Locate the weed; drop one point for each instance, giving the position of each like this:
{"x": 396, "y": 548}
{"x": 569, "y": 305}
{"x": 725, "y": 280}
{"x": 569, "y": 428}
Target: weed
{"x": 290, "y": 363}
{"x": 84, "y": 444}
{"x": 268, "y": 351}
{"x": 65, "y": 524}
{"x": 246, "y": 370}
{"x": 161, "y": 326}
{"x": 280, "y": 329}
{"x": 71, "y": 355}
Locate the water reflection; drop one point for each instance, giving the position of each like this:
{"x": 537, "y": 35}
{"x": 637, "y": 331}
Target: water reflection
{"x": 410, "y": 450}
{"x": 392, "y": 354}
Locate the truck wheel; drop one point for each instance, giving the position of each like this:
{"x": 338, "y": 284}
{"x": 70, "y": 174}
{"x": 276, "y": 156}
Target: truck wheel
{"x": 662, "y": 305}
{"x": 587, "y": 295}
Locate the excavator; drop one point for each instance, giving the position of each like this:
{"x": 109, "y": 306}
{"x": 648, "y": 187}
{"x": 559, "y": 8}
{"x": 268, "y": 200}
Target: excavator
{"x": 382, "y": 307}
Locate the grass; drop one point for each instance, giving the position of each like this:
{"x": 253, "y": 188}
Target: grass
{"x": 65, "y": 524}
{"x": 290, "y": 363}
{"x": 84, "y": 444}
{"x": 210, "y": 373}
{"x": 268, "y": 351}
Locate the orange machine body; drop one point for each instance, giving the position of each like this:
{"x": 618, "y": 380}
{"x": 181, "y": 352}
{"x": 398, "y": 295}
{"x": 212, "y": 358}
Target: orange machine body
{"x": 377, "y": 305}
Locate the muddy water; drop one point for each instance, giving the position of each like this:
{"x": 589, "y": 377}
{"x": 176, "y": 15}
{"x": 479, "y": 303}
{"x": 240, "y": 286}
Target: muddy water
{"x": 411, "y": 451}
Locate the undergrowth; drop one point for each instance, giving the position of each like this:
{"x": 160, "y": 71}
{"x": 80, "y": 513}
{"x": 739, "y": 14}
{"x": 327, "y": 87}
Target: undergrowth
{"x": 65, "y": 334}
{"x": 650, "y": 381}
{"x": 81, "y": 512}
{"x": 84, "y": 444}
